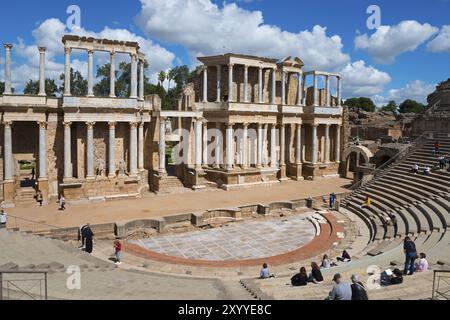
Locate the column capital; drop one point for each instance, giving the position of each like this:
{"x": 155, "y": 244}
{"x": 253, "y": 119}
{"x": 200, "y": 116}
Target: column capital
{"x": 163, "y": 119}
{"x": 42, "y": 124}
{"x": 7, "y": 46}
{"x": 67, "y": 124}
{"x": 315, "y": 125}
{"x": 245, "y": 125}
{"x": 42, "y": 49}
{"x": 90, "y": 125}
{"x": 230, "y": 124}
{"x": 112, "y": 53}
{"x": 230, "y": 65}
{"x": 260, "y": 125}
{"x": 7, "y": 124}
{"x": 90, "y": 52}
{"x": 134, "y": 125}
{"x": 134, "y": 56}
{"x": 67, "y": 50}
{"x": 141, "y": 124}
{"x": 112, "y": 125}
{"x": 205, "y": 67}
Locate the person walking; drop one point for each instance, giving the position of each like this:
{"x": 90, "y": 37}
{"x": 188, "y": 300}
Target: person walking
{"x": 3, "y": 219}
{"x": 409, "y": 248}
{"x": 88, "y": 239}
{"x": 39, "y": 197}
{"x": 62, "y": 203}
{"x": 332, "y": 200}
{"x": 117, "y": 251}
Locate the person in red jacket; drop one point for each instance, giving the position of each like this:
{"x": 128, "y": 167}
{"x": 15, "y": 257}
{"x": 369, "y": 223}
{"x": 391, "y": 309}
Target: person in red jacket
{"x": 117, "y": 251}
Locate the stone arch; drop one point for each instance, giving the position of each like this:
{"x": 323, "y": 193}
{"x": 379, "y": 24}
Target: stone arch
{"x": 350, "y": 156}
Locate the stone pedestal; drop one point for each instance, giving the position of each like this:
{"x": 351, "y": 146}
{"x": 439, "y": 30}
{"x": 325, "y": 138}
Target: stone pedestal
{"x": 8, "y": 193}
{"x": 282, "y": 173}
{"x": 296, "y": 172}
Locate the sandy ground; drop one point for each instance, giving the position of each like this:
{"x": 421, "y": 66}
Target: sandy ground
{"x": 153, "y": 205}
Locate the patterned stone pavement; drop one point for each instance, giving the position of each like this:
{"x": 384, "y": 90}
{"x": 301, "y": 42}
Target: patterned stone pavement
{"x": 236, "y": 241}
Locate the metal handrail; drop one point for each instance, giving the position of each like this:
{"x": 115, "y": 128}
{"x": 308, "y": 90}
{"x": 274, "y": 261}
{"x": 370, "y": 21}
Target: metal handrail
{"x": 20, "y": 290}
{"x": 34, "y": 223}
{"x": 436, "y": 293}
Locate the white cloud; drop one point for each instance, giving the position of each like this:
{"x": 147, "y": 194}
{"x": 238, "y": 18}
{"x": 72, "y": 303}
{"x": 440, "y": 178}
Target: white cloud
{"x": 204, "y": 28}
{"x": 390, "y": 41}
{"x": 361, "y": 80}
{"x": 442, "y": 41}
{"x": 416, "y": 90}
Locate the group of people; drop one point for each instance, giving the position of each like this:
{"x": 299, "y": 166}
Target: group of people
{"x": 426, "y": 170}
{"x": 303, "y": 278}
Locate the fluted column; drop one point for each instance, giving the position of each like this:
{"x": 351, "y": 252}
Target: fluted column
{"x": 245, "y": 146}
{"x": 7, "y": 153}
{"x": 218, "y": 146}
{"x": 260, "y": 85}
{"x": 339, "y": 103}
{"x": 274, "y": 85}
{"x": 67, "y": 151}
{"x": 198, "y": 143}
{"x": 219, "y": 84}
{"x": 8, "y": 85}
{"x": 327, "y": 143}
{"x": 230, "y": 146}
{"x": 205, "y": 83}
{"x": 282, "y": 145}
{"x": 300, "y": 89}
{"x": 42, "y": 71}
{"x": 112, "y": 150}
{"x": 337, "y": 150}
{"x": 327, "y": 89}
{"x": 141, "y": 79}
{"x": 90, "y": 150}
{"x": 260, "y": 146}
{"x": 133, "y": 93}
{"x": 141, "y": 146}
{"x": 245, "y": 83}
{"x": 112, "y": 75}
{"x": 42, "y": 150}
{"x": 90, "y": 73}
{"x": 67, "y": 79}
{"x": 205, "y": 143}
{"x": 283, "y": 87}
{"x": 303, "y": 90}
{"x": 230, "y": 83}
{"x": 273, "y": 146}
{"x": 298, "y": 147}
{"x": 162, "y": 145}
{"x": 133, "y": 148}
{"x": 314, "y": 143}
{"x": 315, "y": 102}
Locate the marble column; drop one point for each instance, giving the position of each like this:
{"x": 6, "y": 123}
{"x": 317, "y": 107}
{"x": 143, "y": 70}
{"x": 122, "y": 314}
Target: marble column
{"x": 339, "y": 103}
{"x": 260, "y": 85}
{"x": 67, "y": 78}
{"x": 218, "y": 145}
{"x": 8, "y": 85}
{"x": 43, "y": 174}
{"x": 42, "y": 71}
{"x": 133, "y": 148}
{"x": 162, "y": 146}
{"x": 337, "y": 150}
{"x": 283, "y": 87}
{"x": 274, "y": 86}
{"x": 327, "y": 143}
{"x": 90, "y": 150}
{"x": 133, "y": 94}
{"x": 303, "y": 90}
{"x": 230, "y": 146}
{"x": 260, "y": 146}
{"x": 314, "y": 143}
{"x": 141, "y": 146}
{"x": 205, "y": 84}
{"x": 141, "y": 79}
{"x": 273, "y": 146}
{"x": 315, "y": 102}
{"x": 244, "y": 155}
{"x": 219, "y": 84}
{"x": 327, "y": 89}
{"x": 7, "y": 153}
{"x": 67, "y": 151}
{"x": 245, "y": 83}
{"x": 298, "y": 147}
{"x": 112, "y": 150}
{"x": 205, "y": 144}
{"x": 300, "y": 89}
{"x": 282, "y": 145}
{"x": 112, "y": 75}
{"x": 198, "y": 143}
{"x": 265, "y": 145}
{"x": 90, "y": 73}
{"x": 230, "y": 83}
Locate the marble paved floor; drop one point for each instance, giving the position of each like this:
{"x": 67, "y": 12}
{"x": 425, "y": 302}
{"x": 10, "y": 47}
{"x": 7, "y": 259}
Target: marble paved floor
{"x": 242, "y": 240}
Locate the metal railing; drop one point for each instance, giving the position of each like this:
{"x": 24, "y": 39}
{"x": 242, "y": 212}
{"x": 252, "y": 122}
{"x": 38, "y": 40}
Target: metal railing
{"x": 20, "y": 285}
{"x": 441, "y": 285}
{"x": 31, "y": 226}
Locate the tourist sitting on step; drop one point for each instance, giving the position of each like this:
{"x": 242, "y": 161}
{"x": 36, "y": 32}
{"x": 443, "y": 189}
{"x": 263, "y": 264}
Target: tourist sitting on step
{"x": 345, "y": 257}
{"x": 265, "y": 273}
{"x": 327, "y": 262}
{"x": 388, "y": 277}
{"x": 3, "y": 219}
{"x": 436, "y": 147}
{"x": 427, "y": 171}
{"x": 415, "y": 168}
{"x": 442, "y": 163}
{"x": 315, "y": 276}
{"x": 358, "y": 290}
{"x": 341, "y": 290}
{"x": 422, "y": 265}
{"x": 300, "y": 279}
{"x": 367, "y": 203}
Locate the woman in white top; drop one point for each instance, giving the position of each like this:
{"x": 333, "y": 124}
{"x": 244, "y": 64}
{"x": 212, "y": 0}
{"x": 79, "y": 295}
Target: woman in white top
{"x": 422, "y": 266}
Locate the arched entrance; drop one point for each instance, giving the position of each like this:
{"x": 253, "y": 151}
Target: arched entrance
{"x": 353, "y": 157}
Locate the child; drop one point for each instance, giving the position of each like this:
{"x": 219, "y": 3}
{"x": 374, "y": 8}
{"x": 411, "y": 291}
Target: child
{"x": 117, "y": 251}
{"x": 39, "y": 198}
{"x": 422, "y": 266}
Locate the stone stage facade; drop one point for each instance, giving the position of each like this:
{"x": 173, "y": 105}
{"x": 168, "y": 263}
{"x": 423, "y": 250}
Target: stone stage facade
{"x": 244, "y": 121}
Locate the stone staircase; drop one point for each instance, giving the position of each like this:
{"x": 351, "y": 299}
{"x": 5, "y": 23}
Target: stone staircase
{"x": 171, "y": 184}
{"x": 25, "y": 195}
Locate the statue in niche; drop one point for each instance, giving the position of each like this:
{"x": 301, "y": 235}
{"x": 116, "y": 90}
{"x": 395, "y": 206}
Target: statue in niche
{"x": 168, "y": 125}
{"x": 122, "y": 168}
{"x": 101, "y": 168}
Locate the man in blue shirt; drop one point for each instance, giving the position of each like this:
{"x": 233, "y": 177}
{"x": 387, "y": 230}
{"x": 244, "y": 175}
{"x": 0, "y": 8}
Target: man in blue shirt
{"x": 341, "y": 290}
{"x": 410, "y": 255}
{"x": 332, "y": 200}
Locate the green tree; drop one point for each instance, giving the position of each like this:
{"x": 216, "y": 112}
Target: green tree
{"x": 78, "y": 85}
{"x": 411, "y": 106}
{"x": 361, "y": 103}
{"x": 161, "y": 77}
{"x": 32, "y": 87}
{"x": 390, "y": 107}
{"x": 2, "y": 87}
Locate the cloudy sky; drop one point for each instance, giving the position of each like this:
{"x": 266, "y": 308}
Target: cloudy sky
{"x": 404, "y": 57}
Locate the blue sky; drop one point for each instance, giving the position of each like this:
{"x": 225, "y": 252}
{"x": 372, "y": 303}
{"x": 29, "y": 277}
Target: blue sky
{"x": 406, "y": 57}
